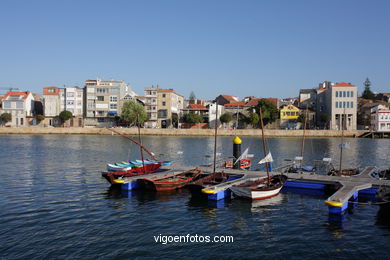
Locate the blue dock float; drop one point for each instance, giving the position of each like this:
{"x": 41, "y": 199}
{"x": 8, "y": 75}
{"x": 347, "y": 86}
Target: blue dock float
{"x": 130, "y": 185}
{"x": 304, "y": 185}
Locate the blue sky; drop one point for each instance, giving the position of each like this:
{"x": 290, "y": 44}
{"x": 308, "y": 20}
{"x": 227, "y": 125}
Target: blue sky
{"x": 259, "y": 48}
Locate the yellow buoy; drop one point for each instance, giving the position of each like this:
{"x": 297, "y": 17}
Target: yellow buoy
{"x": 237, "y": 140}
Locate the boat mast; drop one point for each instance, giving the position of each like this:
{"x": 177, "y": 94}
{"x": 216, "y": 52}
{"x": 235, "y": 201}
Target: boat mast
{"x": 215, "y": 135}
{"x": 134, "y": 141}
{"x": 140, "y": 141}
{"x": 342, "y": 139}
{"x": 303, "y": 139}
{"x": 264, "y": 145}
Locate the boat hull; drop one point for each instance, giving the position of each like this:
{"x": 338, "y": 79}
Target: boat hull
{"x": 255, "y": 195}
{"x": 170, "y": 183}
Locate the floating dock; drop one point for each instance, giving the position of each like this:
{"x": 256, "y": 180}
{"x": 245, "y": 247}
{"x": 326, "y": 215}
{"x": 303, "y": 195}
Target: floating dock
{"x": 350, "y": 186}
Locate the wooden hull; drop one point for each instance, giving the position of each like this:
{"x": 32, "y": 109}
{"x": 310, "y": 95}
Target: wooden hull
{"x": 259, "y": 189}
{"x": 255, "y": 195}
{"x": 207, "y": 181}
{"x": 136, "y": 171}
{"x": 344, "y": 172}
{"x": 170, "y": 183}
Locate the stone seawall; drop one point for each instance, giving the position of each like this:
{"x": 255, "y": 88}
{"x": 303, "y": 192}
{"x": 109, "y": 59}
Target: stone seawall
{"x": 179, "y": 132}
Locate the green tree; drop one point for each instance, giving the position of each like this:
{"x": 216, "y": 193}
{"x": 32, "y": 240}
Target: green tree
{"x": 39, "y": 118}
{"x": 269, "y": 111}
{"x": 5, "y": 118}
{"x": 133, "y": 111}
{"x": 226, "y": 118}
{"x": 192, "y": 118}
{"x": 367, "y": 93}
{"x": 254, "y": 119}
{"x": 301, "y": 118}
{"x": 175, "y": 120}
{"x": 192, "y": 98}
{"x": 65, "y": 115}
{"x": 324, "y": 118}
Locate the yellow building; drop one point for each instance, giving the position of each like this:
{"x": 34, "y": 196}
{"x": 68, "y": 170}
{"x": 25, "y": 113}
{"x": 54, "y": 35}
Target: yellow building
{"x": 289, "y": 112}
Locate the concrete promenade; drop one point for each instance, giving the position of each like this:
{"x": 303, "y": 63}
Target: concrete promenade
{"x": 179, "y": 132}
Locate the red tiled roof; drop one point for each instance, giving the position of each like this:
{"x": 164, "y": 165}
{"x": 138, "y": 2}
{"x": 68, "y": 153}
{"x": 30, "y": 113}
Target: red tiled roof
{"x": 17, "y": 93}
{"x": 343, "y": 84}
{"x": 196, "y": 106}
{"x": 229, "y": 98}
{"x": 253, "y": 102}
{"x": 234, "y": 104}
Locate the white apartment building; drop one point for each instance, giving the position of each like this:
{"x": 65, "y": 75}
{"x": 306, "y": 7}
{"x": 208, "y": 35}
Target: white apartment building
{"x": 102, "y": 101}
{"x": 19, "y": 104}
{"x": 72, "y": 100}
{"x": 343, "y": 98}
{"x": 380, "y": 118}
{"x": 339, "y": 102}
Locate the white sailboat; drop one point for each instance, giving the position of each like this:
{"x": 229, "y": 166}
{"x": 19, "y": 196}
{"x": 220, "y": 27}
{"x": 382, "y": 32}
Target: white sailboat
{"x": 262, "y": 188}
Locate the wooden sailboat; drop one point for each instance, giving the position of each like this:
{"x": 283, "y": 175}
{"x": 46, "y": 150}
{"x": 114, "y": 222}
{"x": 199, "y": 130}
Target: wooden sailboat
{"x": 262, "y": 188}
{"x": 341, "y": 171}
{"x": 132, "y": 168}
{"x": 214, "y": 178}
{"x": 173, "y": 182}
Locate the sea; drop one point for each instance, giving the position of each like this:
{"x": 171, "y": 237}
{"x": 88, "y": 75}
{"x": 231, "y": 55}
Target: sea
{"x": 54, "y": 204}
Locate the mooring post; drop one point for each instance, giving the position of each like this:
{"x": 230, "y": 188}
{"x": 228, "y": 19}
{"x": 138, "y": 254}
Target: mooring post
{"x": 236, "y": 152}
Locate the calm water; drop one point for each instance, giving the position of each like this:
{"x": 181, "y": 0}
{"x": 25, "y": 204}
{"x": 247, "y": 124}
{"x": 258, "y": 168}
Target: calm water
{"x": 55, "y": 205}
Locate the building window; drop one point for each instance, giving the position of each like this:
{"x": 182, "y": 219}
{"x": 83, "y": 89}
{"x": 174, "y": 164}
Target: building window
{"x": 51, "y": 90}
{"x": 113, "y": 99}
{"x": 352, "y": 103}
{"x": 113, "y": 106}
{"x": 348, "y": 93}
{"x": 163, "y": 95}
{"x": 100, "y": 120}
{"x": 100, "y": 98}
{"x": 343, "y": 104}
{"x": 348, "y": 103}
{"x": 101, "y": 90}
{"x": 70, "y": 94}
{"x": 337, "y": 94}
{"x": 70, "y": 102}
{"x": 79, "y": 95}
{"x": 162, "y": 113}
{"x": 351, "y": 93}
{"x": 337, "y": 104}
{"x": 91, "y": 105}
{"x": 21, "y": 121}
{"x": 163, "y": 103}
{"x": 114, "y": 90}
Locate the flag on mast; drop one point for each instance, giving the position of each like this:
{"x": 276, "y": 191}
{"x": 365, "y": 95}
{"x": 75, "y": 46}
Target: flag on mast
{"x": 266, "y": 159}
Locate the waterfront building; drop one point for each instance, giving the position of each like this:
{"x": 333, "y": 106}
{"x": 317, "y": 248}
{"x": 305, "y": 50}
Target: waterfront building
{"x": 20, "y": 104}
{"x": 288, "y": 117}
{"x": 307, "y": 98}
{"x": 364, "y": 112}
{"x": 102, "y": 101}
{"x": 380, "y": 118}
{"x": 339, "y": 103}
{"x": 162, "y": 106}
{"x": 212, "y": 114}
{"x": 169, "y": 105}
{"x": 225, "y": 99}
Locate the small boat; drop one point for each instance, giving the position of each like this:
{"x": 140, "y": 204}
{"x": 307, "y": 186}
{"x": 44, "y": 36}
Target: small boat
{"x": 344, "y": 172}
{"x": 209, "y": 180}
{"x": 126, "y": 166}
{"x": 381, "y": 175}
{"x": 297, "y": 169}
{"x": 260, "y": 189}
{"x": 113, "y": 176}
{"x": 173, "y": 182}
{"x": 244, "y": 164}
